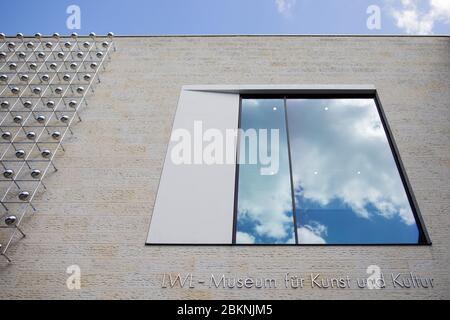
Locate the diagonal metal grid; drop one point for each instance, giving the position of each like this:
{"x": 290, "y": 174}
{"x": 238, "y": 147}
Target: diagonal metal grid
{"x": 44, "y": 82}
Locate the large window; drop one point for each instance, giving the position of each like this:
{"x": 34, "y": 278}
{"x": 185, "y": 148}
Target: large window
{"x": 283, "y": 165}
{"x": 337, "y": 178}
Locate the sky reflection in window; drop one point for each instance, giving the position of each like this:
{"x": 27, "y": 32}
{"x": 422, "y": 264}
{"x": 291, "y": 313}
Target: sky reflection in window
{"x": 347, "y": 189}
{"x": 265, "y": 212}
{"x": 347, "y": 186}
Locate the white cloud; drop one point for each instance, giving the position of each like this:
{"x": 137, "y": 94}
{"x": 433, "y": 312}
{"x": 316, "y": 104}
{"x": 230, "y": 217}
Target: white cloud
{"x": 348, "y": 159}
{"x": 285, "y": 6}
{"x": 441, "y": 10}
{"x": 418, "y": 20}
{"x": 244, "y": 238}
{"x": 267, "y": 203}
{"x": 312, "y": 233}
{"x": 265, "y": 200}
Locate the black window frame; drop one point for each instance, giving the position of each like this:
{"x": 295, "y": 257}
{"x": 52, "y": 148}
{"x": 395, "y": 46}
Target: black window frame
{"x": 424, "y": 238}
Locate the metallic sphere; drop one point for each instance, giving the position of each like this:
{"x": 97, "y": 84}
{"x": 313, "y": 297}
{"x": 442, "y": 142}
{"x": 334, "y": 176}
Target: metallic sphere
{"x": 6, "y": 135}
{"x": 40, "y": 119}
{"x": 27, "y": 104}
{"x": 3, "y": 77}
{"x": 46, "y": 153}
{"x": 99, "y": 54}
{"x": 17, "y": 119}
{"x": 24, "y": 195}
{"x": 73, "y": 65}
{"x": 8, "y": 173}
{"x": 30, "y": 45}
{"x": 31, "y": 135}
{"x": 24, "y": 77}
{"x": 68, "y": 44}
{"x": 38, "y": 35}
{"x": 92, "y": 35}
{"x": 33, "y": 66}
{"x": 56, "y": 35}
{"x": 41, "y": 55}
{"x": 110, "y": 35}
{"x": 22, "y": 55}
{"x": 12, "y": 66}
{"x": 72, "y": 103}
{"x": 74, "y": 35}
{"x": 5, "y": 104}
{"x": 2, "y": 55}
{"x": 19, "y": 35}
{"x": 66, "y": 77}
{"x": 64, "y": 119}
{"x": 48, "y": 45}
{"x": 56, "y": 135}
{"x": 105, "y": 44}
{"x": 20, "y": 153}
{"x": 45, "y": 77}
{"x": 60, "y": 55}
{"x": 86, "y": 44}
{"x": 87, "y": 77}
{"x": 37, "y": 90}
{"x": 35, "y": 173}
{"x": 15, "y": 90}
{"x": 2, "y": 36}
{"x": 50, "y": 104}
{"x": 93, "y": 65}
{"x": 80, "y": 90}
{"x": 58, "y": 90}
{"x": 11, "y": 45}
{"x": 53, "y": 66}
{"x": 10, "y": 220}
{"x": 80, "y": 54}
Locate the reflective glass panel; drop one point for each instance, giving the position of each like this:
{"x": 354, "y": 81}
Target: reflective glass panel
{"x": 264, "y": 201}
{"x": 346, "y": 183}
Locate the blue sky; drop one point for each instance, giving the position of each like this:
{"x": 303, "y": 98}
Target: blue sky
{"x": 138, "y": 17}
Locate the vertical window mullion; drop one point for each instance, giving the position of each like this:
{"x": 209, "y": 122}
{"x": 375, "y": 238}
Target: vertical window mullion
{"x": 294, "y": 215}
{"x": 236, "y": 178}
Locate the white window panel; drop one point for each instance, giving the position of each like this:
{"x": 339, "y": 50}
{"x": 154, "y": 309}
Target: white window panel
{"x": 194, "y": 203}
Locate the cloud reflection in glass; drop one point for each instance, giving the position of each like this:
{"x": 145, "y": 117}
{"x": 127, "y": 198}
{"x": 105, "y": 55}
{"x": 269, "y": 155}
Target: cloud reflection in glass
{"x": 345, "y": 180}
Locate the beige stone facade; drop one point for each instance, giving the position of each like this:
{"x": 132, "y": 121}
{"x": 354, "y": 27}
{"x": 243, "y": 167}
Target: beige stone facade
{"x": 97, "y": 209}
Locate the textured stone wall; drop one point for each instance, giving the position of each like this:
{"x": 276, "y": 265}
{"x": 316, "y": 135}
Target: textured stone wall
{"x": 97, "y": 209}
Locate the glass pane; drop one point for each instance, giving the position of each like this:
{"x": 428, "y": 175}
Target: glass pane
{"x": 347, "y": 186}
{"x": 264, "y": 207}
